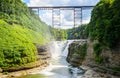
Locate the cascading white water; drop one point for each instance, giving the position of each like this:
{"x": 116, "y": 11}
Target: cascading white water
{"x": 56, "y": 48}
{"x": 58, "y": 67}
{"x": 65, "y": 52}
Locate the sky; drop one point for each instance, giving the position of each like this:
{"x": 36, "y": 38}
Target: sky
{"x": 66, "y": 16}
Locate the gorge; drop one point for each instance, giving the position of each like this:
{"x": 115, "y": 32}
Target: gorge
{"x": 27, "y": 43}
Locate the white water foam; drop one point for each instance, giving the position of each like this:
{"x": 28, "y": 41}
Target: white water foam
{"x": 59, "y": 51}
{"x": 58, "y": 67}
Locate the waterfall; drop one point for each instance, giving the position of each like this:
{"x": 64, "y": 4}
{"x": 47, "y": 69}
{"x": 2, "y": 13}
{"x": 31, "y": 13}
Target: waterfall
{"x": 59, "y": 48}
{"x": 58, "y": 68}
{"x": 65, "y": 51}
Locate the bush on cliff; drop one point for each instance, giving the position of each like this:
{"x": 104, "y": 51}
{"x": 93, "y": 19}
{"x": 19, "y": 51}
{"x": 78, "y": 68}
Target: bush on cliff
{"x": 97, "y": 47}
{"x": 104, "y": 25}
{"x": 83, "y": 51}
{"x": 20, "y": 28}
{"x": 16, "y": 46}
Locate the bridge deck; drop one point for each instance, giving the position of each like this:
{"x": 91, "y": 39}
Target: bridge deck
{"x": 60, "y": 6}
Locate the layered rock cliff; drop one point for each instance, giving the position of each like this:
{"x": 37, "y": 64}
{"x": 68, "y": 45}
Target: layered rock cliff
{"x": 107, "y": 61}
{"x": 77, "y": 52}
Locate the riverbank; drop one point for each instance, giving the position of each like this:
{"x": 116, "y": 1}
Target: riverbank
{"x": 23, "y": 72}
{"x": 42, "y": 62}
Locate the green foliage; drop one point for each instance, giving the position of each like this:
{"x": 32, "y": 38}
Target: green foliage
{"x": 16, "y": 12}
{"x": 98, "y": 59}
{"x": 80, "y": 50}
{"x": 97, "y": 49}
{"x": 20, "y": 29}
{"x": 78, "y": 32}
{"x": 16, "y": 48}
{"x": 59, "y": 34}
{"x": 104, "y": 25}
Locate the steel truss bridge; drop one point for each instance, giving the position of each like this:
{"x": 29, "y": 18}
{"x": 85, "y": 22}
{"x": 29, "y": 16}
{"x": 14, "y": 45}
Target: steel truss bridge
{"x": 56, "y": 20}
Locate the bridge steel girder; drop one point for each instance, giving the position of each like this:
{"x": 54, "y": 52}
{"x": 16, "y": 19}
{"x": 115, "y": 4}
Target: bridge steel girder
{"x": 76, "y": 9}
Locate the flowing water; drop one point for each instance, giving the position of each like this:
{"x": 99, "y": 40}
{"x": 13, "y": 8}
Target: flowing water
{"x": 58, "y": 67}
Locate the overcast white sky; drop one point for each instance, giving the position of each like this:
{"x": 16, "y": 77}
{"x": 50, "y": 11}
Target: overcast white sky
{"x": 66, "y": 16}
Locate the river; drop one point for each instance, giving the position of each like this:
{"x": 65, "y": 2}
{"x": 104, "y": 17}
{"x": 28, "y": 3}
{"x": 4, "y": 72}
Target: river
{"x": 58, "y": 67}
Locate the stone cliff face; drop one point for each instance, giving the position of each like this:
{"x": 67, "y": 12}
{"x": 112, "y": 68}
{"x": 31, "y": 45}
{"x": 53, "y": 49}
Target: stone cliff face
{"x": 76, "y": 55}
{"x": 110, "y": 58}
{"x": 43, "y": 53}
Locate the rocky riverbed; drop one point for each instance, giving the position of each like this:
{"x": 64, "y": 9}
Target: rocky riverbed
{"x": 90, "y": 73}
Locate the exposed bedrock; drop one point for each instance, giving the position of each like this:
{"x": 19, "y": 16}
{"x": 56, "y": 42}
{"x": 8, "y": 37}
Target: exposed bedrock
{"x": 107, "y": 61}
{"x": 76, "y": 53}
